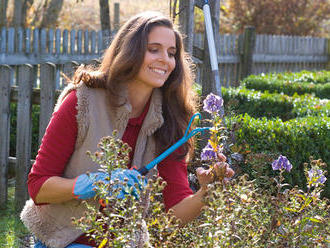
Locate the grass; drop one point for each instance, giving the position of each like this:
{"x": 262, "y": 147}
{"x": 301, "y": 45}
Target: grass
{"x": 12, "y": 231}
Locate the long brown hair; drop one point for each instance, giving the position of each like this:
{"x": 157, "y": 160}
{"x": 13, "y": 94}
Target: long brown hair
{"x": 122, "y": 62}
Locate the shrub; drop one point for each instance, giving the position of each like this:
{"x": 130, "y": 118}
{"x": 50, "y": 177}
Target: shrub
{"x": 236, "y": 214}
{"x": 316, "y": 83}
{"x": 298, "y": 139}
{"x": 272, "y": 105}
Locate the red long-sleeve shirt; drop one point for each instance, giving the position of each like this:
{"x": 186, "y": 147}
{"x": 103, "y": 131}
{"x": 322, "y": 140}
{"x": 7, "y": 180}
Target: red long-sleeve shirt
{"x": 58, "y": 145}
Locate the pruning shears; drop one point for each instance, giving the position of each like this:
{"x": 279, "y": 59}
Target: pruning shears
{"x": 187, "y": 135}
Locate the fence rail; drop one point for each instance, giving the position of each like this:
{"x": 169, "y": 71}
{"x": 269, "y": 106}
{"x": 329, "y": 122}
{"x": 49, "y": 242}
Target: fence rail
{"x": 31, "y": 62}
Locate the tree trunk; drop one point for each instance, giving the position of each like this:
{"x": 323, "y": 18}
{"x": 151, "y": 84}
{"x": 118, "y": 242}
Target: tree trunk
{"x": 19, "y": 16}
{"x": 3, "y": 11}
{"x": 51, "y": 14}
{"x": 105, "y": 15}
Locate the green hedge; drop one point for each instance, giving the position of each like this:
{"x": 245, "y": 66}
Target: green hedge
{"x": 298, "y": 139}
{"x": 272, "y": 105}
{"x": 317, "y": 83}
{"x": 35, "y": 130}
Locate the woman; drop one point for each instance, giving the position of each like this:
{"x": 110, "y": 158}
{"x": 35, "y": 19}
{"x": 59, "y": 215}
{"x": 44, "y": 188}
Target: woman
{"x": 142, "y": 89}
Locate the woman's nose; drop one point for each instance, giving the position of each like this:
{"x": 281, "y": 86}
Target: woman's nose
{"x": 164, "y": 57}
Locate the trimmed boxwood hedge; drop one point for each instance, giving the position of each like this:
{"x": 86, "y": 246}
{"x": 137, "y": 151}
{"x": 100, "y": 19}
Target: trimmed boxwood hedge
{"x": 272, "y": 105}
{"x": 298, "y": 139}
{"x": 316, "y": 83}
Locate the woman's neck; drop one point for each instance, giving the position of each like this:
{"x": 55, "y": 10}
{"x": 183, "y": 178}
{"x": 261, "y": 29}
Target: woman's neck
{"x": 138, "y": 98}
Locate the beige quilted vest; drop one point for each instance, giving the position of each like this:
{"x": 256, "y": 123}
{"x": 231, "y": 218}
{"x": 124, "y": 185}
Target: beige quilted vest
{"x": 51, "y": 223}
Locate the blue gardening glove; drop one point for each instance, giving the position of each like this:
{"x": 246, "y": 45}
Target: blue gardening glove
{"x": 84, "y": 187}
{"x": 132, "y": 177}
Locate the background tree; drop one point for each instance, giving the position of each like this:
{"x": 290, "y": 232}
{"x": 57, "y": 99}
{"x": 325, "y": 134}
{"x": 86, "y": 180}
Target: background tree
{"x": 3, "y": 12}
{"x": 288, "y": 17}
{"x": 51, "y": 12}
{"x": 105, "y": 15}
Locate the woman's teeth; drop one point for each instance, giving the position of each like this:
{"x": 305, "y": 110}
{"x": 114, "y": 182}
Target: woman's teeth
{"x": 158, "y": 71}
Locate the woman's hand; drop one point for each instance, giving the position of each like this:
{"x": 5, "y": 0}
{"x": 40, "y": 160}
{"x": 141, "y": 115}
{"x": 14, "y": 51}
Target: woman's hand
{"x": 220, "y": 171}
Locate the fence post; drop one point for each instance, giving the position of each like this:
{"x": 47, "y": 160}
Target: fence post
{"x": 208, "y": 83}
{"x": 47, "y": 96}
{"x": 6, "y": 77}
{"x": 247, "y": 44}
{"x": 23, "y": 139}
{"x": 186, "y": 19}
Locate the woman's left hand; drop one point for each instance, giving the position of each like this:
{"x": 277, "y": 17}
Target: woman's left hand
{"x": 220, "y": 171}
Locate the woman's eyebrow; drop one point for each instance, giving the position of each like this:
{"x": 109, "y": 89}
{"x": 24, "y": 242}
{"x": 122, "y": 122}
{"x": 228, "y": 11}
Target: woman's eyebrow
{"x": 159, "y": 44}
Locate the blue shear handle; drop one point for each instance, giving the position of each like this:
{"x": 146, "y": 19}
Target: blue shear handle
{"x": 184, "y": 139}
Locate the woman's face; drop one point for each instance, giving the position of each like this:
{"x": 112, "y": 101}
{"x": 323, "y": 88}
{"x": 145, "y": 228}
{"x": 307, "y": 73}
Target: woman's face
{"x": 159, "y": 59}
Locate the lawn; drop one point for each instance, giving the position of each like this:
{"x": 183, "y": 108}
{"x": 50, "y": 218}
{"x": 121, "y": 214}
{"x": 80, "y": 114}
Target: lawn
{"x": 12, "y": 231}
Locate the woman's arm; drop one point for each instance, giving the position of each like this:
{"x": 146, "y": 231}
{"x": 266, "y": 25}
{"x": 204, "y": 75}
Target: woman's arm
{"x": 190, "y": 207}
{"x": 55, "y": 190}
{"x": 45, "y": 182}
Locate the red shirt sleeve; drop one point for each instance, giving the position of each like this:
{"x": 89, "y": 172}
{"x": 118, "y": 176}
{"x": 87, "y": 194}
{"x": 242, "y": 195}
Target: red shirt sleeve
{"x": 57, "y": 145}
{"x": 174, "y": 172}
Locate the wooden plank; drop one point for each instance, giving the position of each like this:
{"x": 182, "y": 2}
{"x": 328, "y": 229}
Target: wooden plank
{"x": 47, "y": 96}
{"x": 12, "y": 163}
{"x": 19, "y": 59}
{"x": 57, "y": 41}
{"x": 79, "y": 42}
{"x": 3, "y": 40}
{"x": 28, "y": 40}
{"x": 93, "y": 42}
{"x": 99, "y": 42}
{"x": 19, "y": 40}
{"x": 6, "y": 77}
{"x": 35, "y": 95}
{"x": 72, "y": 41}
{"x": 11, "y": 40}
{"x": 43, "y": 41}
{"x": 86, "y": 42}
{"x": 50, "y": 41}
{"x": 23, "y": 140}
{"x": 65, "y": 40}
{"x": 36, "y": 41}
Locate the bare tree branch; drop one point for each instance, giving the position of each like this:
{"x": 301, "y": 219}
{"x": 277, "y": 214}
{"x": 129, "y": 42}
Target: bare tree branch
{"x": 51, "y": 14}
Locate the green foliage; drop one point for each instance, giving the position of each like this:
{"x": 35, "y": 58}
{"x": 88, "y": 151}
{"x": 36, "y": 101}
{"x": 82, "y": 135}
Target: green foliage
{"x": 272, "y": 105}
{"x": 12, "y": 231}
{"x": 297, "y": 139}
{"x": 35, "y": 130}
{"x": 316, "y": 83}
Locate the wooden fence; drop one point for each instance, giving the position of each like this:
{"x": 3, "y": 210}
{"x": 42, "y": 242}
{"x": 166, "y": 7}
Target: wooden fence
{"x": 31, "y": 62}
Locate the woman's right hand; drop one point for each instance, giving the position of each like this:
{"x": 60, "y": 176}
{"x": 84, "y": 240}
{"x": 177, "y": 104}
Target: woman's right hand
{"x": 85, "y": 184}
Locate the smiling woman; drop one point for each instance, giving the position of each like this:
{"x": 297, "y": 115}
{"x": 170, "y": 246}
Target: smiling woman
{"x": 142, "y": 89}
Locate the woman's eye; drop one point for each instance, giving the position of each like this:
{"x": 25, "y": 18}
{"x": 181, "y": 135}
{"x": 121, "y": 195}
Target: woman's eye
{"x": 153, "y": 50}
{"x": 171, "y": 54}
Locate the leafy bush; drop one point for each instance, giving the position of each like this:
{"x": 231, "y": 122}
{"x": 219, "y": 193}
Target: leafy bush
{"x": 272, "y": 105}
{"x": 317, "y": 83}
{"x": 298, "y": 139}
{"x": 237, "y": 214}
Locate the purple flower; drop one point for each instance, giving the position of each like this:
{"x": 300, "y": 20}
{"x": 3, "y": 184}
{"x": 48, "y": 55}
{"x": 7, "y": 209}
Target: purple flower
{"x": 208, "y": 153}
{"x": 282, "y": 163}
{"x": 316, "y": 174}
{"x": 212, "y": 103}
